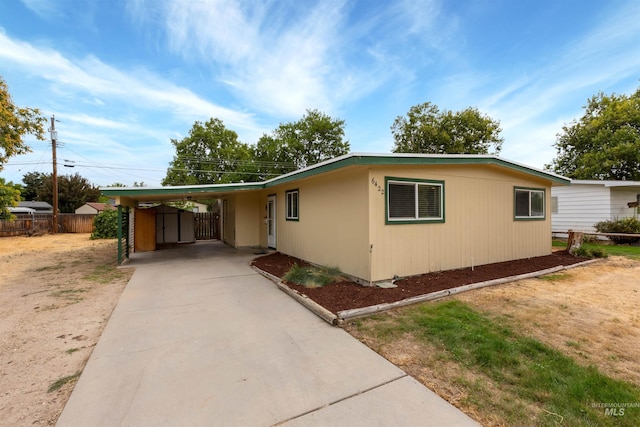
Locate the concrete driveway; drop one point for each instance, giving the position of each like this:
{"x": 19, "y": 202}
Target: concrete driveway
{"x": 199, "y": 338}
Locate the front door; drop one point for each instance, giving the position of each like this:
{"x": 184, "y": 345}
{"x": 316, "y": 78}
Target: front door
{"x": 271, "y": 221}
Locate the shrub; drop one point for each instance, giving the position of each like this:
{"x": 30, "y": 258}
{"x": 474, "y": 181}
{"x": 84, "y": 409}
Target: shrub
{"x": 584, "y": 252}
{"x": 629, "y": 225}
{"x": 105, "y": 225}
{"x": 312, "y": 277}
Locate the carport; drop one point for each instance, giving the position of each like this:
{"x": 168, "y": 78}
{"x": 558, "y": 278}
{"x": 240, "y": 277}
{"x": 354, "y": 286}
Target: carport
{"x": 146, "y": 223}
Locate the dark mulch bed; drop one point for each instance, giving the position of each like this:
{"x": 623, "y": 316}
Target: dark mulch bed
{"x": 347, "y": 295}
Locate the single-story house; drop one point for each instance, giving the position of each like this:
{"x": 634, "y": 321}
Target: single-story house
{"x": 93, "y": 208}
{"x": 379, "y": 216}
{"x": 583, "y": 203}
{"x": 39, "y": 207}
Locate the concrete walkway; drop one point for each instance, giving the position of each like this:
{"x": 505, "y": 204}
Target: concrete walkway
{"x": 200, "y": 339}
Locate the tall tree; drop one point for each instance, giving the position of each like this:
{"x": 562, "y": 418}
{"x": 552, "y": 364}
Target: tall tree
{"x": 426, "y": 129}
{"x": 73, "y": 190}
{"x": 211, "y": 154}
{"x": 272, "y": 158}
{"x": 314, "y": 138}
{"x": 33, "y": 182}
{"x": 15, "y": 123}
{"x": 604, "y": 143}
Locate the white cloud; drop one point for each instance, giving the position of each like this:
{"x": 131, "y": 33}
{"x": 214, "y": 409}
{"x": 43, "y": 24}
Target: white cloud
{"x": 279, "y": 57}
{"x": 90, "y": 77}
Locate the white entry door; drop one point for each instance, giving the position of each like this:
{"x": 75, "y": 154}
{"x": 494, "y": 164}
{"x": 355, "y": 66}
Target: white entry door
{"x": 271, "y": 221}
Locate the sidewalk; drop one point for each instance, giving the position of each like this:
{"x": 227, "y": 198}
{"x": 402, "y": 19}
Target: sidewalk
{"x": 199, "y": 338}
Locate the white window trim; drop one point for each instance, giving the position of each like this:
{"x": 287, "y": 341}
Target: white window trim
{"x": 288, "y": 207}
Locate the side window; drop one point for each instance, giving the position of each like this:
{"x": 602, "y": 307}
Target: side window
{"x": 292, "y": 211}
{"x": 529, "y": 203}
{"x": 414, "y": 201}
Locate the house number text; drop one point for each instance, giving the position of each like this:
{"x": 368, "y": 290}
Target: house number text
{"x": 380, "y": 189}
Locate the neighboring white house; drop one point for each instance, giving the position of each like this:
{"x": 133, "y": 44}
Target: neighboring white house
{"x": 584, "y": 202}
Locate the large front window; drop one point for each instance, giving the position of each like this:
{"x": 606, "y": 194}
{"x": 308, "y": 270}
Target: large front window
{"x": 414, "y": 200}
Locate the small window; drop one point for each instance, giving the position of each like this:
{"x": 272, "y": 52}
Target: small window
{"x": 414, "y": 201}
{"x": 554, "y": 204}
{"x": 292, "y": 205}
{"x": 529, "y": 203}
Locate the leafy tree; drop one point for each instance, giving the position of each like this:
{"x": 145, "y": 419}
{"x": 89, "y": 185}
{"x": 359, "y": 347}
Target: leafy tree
{"x": 211, "y": 154}
{"x": 73, "y": 190}
{"x": 604, "y": 143}
{"x": 272, "y": 158}
{"x": 426, "y": 129}
{"x": 33, "y": 182}
{"x": 314, "y": 138}
{"x": 15, "y": 123}
{"x": 9, "y": 196}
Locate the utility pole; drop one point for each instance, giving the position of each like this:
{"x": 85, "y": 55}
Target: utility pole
{"x": 54, "y": 138}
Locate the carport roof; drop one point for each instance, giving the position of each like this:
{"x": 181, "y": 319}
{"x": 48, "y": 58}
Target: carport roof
{"x": 352, "y": 159}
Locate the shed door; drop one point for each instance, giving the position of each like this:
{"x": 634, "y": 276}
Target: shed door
{"x": 271, "y": 222}
{"x": 145, "y": 230}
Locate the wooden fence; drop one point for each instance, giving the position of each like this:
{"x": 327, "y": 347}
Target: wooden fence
{"x": 207, "y": 225}
{"x": 27, "y": 225}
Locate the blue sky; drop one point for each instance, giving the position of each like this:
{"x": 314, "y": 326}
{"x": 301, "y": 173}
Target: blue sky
{"x": 123, "y": 77}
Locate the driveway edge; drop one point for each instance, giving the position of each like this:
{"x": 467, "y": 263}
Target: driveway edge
{"x": 310, "y": 304}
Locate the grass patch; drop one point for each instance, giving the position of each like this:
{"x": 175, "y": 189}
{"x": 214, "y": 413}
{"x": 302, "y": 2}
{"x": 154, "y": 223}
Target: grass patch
{"x": 607, "y": 249}
{"x": 632, "y": 252}
{"x": 69, "y": 294}
{"x": 50, "y": 267}
{"x": 72, "y": 350}
{"x": 312, "y": 277}
{"x": 555, "y": 277}
{"x": 106, "y": 273}
{"x": 537, "y": 383}
{"x": 62, "y": 381}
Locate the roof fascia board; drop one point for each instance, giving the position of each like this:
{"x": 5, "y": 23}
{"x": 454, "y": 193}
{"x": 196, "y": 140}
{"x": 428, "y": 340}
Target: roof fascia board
{"x": 338, "y": 163}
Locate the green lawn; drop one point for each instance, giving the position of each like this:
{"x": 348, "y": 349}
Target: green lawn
{"x": 536, "y": 384}
{"x": 632, "y": 252}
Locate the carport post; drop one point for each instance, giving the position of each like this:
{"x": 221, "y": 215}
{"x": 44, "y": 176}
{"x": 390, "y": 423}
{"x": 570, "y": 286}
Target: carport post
{"x": 119, "y": 234}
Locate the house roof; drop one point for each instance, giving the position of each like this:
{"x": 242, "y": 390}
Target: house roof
{"x": 99, "y": 206}
{"x": 39, "y": 206}
{"x": 352, "y": 159}
{"x": 605, "y": 183}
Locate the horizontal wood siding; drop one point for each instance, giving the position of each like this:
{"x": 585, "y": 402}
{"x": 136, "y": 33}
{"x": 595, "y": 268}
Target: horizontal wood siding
{"x": 479, "y": 226}
{"x": 332, "y": 229}
{"x": 580, "y": 206}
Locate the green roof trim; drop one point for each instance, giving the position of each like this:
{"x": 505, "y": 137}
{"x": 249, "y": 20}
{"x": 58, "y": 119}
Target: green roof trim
{"x": 353, "y": 159}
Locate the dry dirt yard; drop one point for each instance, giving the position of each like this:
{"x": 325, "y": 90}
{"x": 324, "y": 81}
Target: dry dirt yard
{"x": 56, "y": 294}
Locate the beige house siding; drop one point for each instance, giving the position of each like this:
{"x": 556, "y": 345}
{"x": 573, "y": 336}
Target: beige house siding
{"x": 241, "y": 220}
{"x": 332, "y": 229}
{"x": 247, "y": 219}
{"x": 479, "y": 226}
